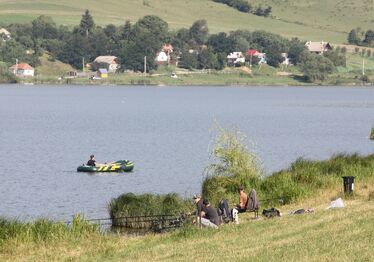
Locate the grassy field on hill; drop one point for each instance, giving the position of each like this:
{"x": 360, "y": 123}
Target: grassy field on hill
{"x": 335, "y": 15}
{"x": 317, "y": 20}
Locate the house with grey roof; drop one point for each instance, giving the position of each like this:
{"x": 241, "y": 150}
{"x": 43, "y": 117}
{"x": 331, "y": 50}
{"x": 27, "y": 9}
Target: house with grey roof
{"x": 318, "y": 47}
{"x": 109, "y": 62}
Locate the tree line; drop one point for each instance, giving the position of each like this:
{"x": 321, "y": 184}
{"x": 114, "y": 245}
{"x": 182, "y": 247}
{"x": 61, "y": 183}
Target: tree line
{"x": 194, "y": 47}
{"x": 361, "y": 38}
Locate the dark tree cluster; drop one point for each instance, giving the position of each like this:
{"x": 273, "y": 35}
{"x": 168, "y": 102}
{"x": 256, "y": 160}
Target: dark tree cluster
{"x": 245, "y": 7}
{"x": 361, "y": 38}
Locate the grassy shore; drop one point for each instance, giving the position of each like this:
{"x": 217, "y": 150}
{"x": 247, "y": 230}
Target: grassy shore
{"x": 325, "y": 235}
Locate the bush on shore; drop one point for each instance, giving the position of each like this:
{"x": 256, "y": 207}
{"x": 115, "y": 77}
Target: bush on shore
{"x": 236, "y": 165}
{"x": 131, "y": 205}
{"x": 5, "y": 75}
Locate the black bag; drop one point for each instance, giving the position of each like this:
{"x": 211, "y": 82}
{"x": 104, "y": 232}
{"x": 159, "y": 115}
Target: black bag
{"x": 223, "y": 210}
{"x": 271, "y": 212}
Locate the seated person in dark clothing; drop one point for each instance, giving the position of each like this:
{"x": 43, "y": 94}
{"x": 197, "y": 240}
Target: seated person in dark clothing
{"x": 92, "y": 161}
{"x": 210, "y": 216}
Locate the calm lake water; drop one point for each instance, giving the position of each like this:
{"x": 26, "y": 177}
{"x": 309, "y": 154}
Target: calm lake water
{"x": 47, "y": 131}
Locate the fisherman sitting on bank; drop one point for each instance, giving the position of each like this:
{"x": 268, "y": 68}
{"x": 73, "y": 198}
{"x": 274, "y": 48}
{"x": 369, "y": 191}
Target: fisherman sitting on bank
{"x": 209, "y": 216}
{"x": 241, "y": 207}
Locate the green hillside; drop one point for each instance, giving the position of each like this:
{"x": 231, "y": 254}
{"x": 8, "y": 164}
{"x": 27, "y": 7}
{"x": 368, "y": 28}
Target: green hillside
{"x": 316, "y": 20}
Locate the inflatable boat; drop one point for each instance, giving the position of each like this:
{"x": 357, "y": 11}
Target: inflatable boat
{"x": 118, "y": 166}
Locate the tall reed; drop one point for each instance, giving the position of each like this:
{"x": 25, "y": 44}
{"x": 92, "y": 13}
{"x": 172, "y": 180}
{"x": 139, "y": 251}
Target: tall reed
{"x": 43, "y": 230}
{"x": 126, "y": 209}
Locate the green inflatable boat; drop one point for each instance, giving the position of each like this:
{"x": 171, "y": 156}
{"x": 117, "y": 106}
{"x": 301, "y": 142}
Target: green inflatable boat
{"x": 118, "y": 166}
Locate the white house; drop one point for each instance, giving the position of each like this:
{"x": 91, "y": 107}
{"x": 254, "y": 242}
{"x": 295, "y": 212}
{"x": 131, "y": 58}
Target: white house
{"x": 109, "y": 62}
{"x": 286, "y": 60}
{"x": 235, "y": 57}
{"x": 4, "y": 34}
{"x": 22, "y": 69}
{"x": 164, "y": 56}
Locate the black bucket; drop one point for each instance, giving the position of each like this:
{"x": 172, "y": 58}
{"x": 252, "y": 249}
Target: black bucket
{"x": 348, "y": 184}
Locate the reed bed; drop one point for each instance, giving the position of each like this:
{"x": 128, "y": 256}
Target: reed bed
{"x": 43, "y": 230}
{"x": 139, "y": 211}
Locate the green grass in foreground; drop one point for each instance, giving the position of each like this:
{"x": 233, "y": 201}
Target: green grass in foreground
{"x": 326, "y": 235}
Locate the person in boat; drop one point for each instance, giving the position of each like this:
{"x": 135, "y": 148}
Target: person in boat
{"x": 92, "y": 161}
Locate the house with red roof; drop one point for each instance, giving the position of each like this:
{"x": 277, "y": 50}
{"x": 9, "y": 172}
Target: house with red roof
{"x": 22, "y": 69}
{"x": 261, "y": 57}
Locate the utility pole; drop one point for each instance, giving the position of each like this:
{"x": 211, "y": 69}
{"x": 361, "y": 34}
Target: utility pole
{"x": 145, "y": 65}
{"x": 363, "y": 67}
{"x": 16, "y": 71}
{"x": 83, "y": 64}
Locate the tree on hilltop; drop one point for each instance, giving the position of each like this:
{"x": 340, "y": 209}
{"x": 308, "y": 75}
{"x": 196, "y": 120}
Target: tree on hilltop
{"x": 87, "y": 23}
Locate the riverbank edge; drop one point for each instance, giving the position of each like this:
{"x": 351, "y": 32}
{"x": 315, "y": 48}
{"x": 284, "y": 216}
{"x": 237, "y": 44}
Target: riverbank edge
{"x": 188, "y": 85}
{"x": 297, "y": 237}
{"x": 201, "y": 79}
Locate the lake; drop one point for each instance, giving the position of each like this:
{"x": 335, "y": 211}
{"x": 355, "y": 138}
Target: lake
{"x": 47, "y": 131}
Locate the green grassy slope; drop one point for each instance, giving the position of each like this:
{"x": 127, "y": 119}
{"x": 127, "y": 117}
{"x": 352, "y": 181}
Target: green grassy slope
{"x": 316, "y": 20}
{"x": 326, "y": 235}
{"x": 335, "y": 15}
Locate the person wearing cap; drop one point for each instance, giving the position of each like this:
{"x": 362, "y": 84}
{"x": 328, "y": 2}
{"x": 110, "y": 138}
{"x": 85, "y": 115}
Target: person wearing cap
{"x": 210, "y": 216}
{"x": 92, "y": 161}
{"x": 199, "y": 207}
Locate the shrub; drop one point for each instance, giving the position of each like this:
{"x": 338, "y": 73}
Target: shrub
{"x": 125, "y": 209}
{"x": 235, "y": 165}
{"x": 315, "y": 67}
